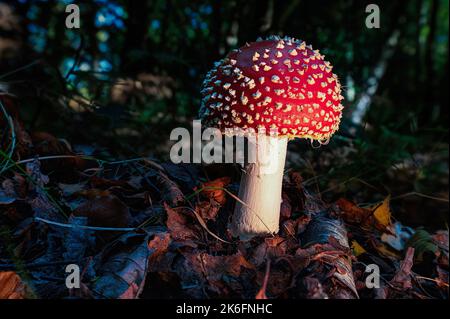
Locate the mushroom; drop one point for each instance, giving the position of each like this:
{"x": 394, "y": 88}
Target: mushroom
{"x": 273, "y": 84}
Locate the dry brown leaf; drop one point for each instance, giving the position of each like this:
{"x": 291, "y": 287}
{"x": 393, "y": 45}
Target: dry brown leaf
{"x": 123, "y": 265}
{"x": 314, "y": 288}
{"x": 213, "y": 189}
{"x": 45, "y": 144}
{"x": 352, "y": 213}
{"x": 402, "y": 278}
{"x": 170, "y": 191}
{"x": 207, "y": 210}
{"x": 159, "y": 246}
{"x": 378, "y": 216}
{"x": 441, "y": 239}
{"x": 104, "y": 211}
{"x": 178, "y": 224}
{"x": 277, "y": 280}
{"x": 286, "y": 207}
{"x": 92, "y": 193}
{"x": 104, "y": 183}
{"x": 12, "y": 287}
{"x": 383, "y": 249}
{"x": 215, "y": 267}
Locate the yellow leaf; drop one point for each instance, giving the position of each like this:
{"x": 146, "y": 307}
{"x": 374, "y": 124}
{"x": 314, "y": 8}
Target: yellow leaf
{"x": 385, "y": 251}
{"x": 357, "y": 248}
{"x": 382, "y": 213}
{"x": 11, "y": 286}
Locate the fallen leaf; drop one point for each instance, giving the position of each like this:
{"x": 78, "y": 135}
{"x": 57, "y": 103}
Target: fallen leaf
{"x": 5, "y": 199}
{"x": 286, "y": 207}
{"x": 131, "y": 293}
{"x": 170, "y": 192}
{"x": 186, "y": 174}
{"x": 279, "y": 281}
{"x": 41, "y": 206}
{"x": 201, "y": 274}
{"x": 123, "y": 265}
{"x": 384, "y": 250}
{"x": 442, "y": 278}
{"x": 159, "y": 246}
{"x": 272, "y": 247}
{"x": 314, "y": 288}
{"x": 45, "y": 144}
{"x": 12, "y": 287}
{"x": 77, "y": 239}
{"x": 214, "y": 268}
{"x": 207, "y": 210}
{"x": 104, "y": 183}
{"x": 382, "y": 213}
{"x": 352, "y": 213}
{"x": 71, "y": 189}
{"x": 179, "y": 224}
{"x": 34, "y": 172}
{"x": 293, "y": 188}
{"x": 17, "y": 186}
{"x": 441, "y": 239}
{"x": 332, "y": 232}
{"x": 214, "y": 189}
{"x": 402, "y": 278}
{"x": 92, "y": 193}
{"x": 104, "y": 211}
{"x": 357, "y": 248}
{"x": 8, "y": 189}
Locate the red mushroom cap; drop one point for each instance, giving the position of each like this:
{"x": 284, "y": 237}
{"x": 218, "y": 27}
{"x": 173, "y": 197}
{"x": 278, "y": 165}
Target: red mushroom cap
{"x": 276, "y": 83}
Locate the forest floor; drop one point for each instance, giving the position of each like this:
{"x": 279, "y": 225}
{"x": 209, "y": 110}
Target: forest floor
{"x": 141, "y": 228}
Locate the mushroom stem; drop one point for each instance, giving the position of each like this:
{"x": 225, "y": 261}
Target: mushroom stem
{"x": 258, "y": 211}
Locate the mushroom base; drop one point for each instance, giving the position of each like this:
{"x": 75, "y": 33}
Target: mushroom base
{"x": 258, "y": 212}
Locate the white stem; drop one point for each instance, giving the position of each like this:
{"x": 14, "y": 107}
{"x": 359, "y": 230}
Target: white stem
{"x": 258, "y": 212}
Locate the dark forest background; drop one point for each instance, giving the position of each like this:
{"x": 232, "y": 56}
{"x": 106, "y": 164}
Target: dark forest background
{"x": 117, "y": 86}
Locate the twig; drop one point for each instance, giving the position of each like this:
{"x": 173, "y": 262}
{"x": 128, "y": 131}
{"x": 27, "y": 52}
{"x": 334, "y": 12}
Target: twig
{"x": 420, "y": 195}
{"x": 203, "y": 224}
{"x": 77, "y": 58}
{"x": 233, "y": 196}
{"x": 42, "y": 158}
{"x": 50, "y": 222}
{"x": 262, "y": 292}
{"x": 36, "y": 265}
{"x": 12, "y": 146}
{"x": 436, "y": 281}
{"x": 91, "y": 158}
{"x": 19, "y": 69}
{"x": 44, "y": 191}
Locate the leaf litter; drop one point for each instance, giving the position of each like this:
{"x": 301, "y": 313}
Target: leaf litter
{"x": 147, "y": 229}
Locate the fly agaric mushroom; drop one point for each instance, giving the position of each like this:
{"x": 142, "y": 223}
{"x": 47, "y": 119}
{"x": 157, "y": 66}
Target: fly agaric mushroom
{"x": 272, "y": 84}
